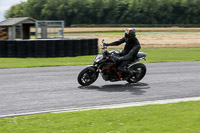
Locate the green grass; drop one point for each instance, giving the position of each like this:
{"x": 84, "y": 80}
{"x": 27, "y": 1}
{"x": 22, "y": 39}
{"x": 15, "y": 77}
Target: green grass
{"x": 118, "y": 33}
{"x": 170, "y": 118}
{"x": 153, "y": 55}
{"x": 122, "y": 33}
{"x": 181, "y": 117}
{"x": 172, "y": 54}
{"x": 45, "y": 62}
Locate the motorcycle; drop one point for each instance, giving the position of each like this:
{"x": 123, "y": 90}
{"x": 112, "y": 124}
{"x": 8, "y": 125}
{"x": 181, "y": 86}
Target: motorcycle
{"x": 104, "y": 64}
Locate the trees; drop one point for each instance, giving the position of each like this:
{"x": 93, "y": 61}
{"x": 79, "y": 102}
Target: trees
{"x": 110, "y": 11}
{"x": 34, "y": 8}
{"x": 17, "y": 10}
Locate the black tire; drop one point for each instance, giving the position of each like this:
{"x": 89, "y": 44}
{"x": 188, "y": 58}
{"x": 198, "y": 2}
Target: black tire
{"x": 68, "y": 46}
{"x": 84, "y": 47}
{"x": 3, "y": 48}
{"x": 77, "y": 47}
{"x": 51, "y": 48}
{"x": 87, "y": 76}
{"x": 40, "y": 48}
{"x": 31, "y": 48}
{"x": 12, "y": 48}
{"x": 60, "y": 51}
{"x": 140, "y": 70}
{"x": 22, "y": 48}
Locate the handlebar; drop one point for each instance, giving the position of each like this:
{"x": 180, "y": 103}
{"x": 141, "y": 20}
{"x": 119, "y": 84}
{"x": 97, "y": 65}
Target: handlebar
{"x": 103, "y": 46}
{"x": 103, "y": 41}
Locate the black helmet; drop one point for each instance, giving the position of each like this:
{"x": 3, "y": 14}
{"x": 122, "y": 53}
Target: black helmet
{"x": 129, "y": 34}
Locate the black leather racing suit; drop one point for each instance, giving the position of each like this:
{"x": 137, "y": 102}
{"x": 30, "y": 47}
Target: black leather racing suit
{"x": 128, "y": 54}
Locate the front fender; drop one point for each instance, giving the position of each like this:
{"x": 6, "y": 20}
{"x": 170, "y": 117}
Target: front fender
{"x": 91, "y": 67}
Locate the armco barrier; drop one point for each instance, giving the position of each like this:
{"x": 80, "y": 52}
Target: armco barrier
{"x": 48, "y": 48}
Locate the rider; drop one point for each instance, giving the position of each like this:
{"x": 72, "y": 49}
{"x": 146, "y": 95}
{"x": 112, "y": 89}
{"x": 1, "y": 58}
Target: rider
{"x": 129, "y": 52}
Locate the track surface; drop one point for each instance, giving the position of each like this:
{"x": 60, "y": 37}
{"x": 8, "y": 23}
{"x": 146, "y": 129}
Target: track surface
{"x": 24, "y": 90}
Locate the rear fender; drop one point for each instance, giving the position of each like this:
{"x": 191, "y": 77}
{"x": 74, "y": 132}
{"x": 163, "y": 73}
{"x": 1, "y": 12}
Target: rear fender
{"x": 133, "y": 64}
{"x": 141, "y": 56}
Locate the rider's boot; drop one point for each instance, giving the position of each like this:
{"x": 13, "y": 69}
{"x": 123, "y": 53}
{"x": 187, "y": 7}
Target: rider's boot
{"x": 127, "y": 74}
{"x": 131, "y": 74}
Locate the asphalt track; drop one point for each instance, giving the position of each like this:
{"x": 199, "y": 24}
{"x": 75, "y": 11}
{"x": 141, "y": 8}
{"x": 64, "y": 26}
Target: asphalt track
{"x": 43, "y": 89}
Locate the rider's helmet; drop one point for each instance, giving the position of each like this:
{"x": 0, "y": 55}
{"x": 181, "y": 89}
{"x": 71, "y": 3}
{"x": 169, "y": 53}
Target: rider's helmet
{"x": 129, "y": 34}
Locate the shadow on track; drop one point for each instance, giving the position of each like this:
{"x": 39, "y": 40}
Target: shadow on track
{"x": 135, "y": 89}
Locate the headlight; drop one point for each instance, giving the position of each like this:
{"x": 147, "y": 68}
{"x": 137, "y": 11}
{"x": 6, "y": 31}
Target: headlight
{"x": 98, "y": 58}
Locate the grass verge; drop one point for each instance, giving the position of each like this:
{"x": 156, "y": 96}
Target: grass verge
{"x": 172, "y": 54}
{"x": 153, "y": 55}
{"x": 122, "y": 33}
{"x": 45, "y": 62}
{"x": 181, "y": 117}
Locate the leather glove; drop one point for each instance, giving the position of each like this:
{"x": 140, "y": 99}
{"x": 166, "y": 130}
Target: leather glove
{"x": 105, "y": 44}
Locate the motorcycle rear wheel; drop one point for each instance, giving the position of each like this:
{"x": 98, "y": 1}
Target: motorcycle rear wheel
{"x": 87, "y": 76}
{"x": 140, "y": 71}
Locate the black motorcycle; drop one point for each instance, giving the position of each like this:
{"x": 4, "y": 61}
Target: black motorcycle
{"x": 105, "y": 65}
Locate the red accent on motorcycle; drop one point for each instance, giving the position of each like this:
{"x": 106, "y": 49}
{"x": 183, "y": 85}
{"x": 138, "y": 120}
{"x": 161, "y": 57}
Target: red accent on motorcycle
{"x": 115, "y": 69}
{"x": 107, "y": 68}
{"x": 119, "y": 75}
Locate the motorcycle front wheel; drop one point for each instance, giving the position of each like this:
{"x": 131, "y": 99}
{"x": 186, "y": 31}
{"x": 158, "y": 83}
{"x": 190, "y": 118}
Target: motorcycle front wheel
{"x": 87, "y": 76}
{"x": 139, "y": 70}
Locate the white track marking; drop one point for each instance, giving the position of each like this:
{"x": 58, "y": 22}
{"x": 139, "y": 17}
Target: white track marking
{"x": 108, "y": 106}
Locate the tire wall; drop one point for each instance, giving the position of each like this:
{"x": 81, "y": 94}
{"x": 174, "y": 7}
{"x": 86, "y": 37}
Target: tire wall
{"x": 48, "y": 48}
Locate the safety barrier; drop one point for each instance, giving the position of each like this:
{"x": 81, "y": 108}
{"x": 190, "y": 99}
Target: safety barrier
{"x": 3, "y": 34}
{"x": 48, "y": 48}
